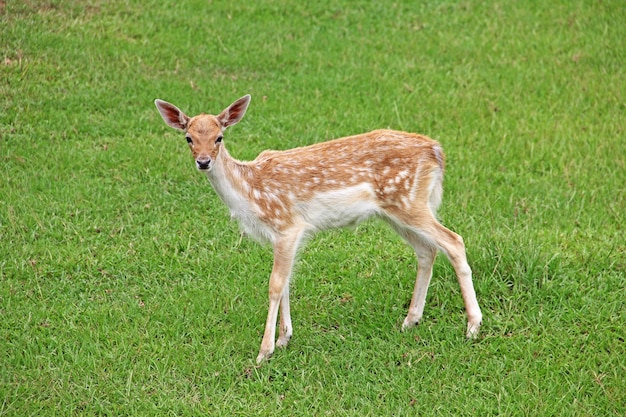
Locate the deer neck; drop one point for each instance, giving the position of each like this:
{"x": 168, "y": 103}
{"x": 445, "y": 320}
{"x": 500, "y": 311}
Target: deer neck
{"x": 230, "y": 179}
{"x": 225, "y": 177}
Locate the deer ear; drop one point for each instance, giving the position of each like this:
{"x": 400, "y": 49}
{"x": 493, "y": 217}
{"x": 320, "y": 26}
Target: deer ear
{"x": 235, "y": 112}
{"x": 172, "y": 115}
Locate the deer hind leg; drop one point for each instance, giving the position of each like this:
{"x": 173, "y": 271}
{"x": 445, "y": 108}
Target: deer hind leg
{"x": 285, "y": 249}
{"x": 451, "y": 244}
{"x": 426, "y": 254}
{"x": 427, "y": 233}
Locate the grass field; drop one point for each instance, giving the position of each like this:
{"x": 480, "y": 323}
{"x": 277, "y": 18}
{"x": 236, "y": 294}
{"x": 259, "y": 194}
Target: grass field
{"x": 126, "y": 290}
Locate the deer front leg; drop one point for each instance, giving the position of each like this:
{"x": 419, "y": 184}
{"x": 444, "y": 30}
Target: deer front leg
{"x": 284, "y": 252}
{"x": 285, "y": 330}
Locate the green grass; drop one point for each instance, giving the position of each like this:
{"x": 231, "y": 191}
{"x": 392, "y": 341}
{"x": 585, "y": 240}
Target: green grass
{"x": 125, "y": 290}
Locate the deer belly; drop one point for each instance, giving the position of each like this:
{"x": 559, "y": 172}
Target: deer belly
{"x": 347, "y": 206}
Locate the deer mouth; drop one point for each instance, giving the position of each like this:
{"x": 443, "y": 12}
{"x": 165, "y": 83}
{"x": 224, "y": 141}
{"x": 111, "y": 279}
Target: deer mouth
{"x": 203, "y": 165}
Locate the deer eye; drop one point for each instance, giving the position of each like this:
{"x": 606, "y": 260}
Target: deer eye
{"x": 189, "y": 141}
{"x": 219, "y": 139}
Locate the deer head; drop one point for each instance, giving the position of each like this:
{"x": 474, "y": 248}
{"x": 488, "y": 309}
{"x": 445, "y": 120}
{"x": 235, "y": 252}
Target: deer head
{"x": 204, "y": 133}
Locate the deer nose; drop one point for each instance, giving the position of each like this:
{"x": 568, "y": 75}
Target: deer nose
{"x": 203, "y": 163}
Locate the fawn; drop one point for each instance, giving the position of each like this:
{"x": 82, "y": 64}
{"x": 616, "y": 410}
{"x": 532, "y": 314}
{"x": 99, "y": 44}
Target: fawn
{"x": 282, "y": 197}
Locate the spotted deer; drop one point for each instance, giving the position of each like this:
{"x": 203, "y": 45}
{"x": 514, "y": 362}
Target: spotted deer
{"x": 283, "y": 197}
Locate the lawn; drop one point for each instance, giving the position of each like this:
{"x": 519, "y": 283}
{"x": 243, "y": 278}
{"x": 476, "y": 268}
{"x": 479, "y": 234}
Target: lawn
{"x": 126, "y": 290}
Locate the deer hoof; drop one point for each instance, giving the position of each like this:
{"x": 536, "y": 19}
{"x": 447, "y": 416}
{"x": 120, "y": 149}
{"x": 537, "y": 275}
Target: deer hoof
{"x": 283, "y": 341}
{"x": 409, "y": 323}
{"x": 472, "y": 330}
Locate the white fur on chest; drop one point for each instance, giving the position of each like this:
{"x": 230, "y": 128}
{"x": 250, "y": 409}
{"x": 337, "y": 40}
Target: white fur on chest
{"x": 241, "y": 208}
